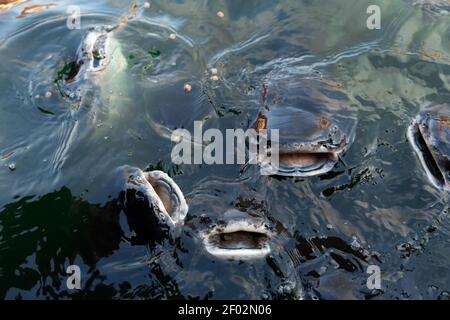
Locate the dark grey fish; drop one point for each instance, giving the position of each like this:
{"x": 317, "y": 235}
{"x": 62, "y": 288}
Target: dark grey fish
{"x": 234, "y": 224}
{"x": 429, "y": 135}
{"x": 157, "y": 190}
{"x": 153, "y": 204}
{"x": 316, "y": 124}
{"x": 238, "y": 236}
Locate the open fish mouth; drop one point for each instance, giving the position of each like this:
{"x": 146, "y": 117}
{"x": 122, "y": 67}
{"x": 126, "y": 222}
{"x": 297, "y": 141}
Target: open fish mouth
{"x": 304, "y": 163}
{"x": 162, "y": 193}
{"x": 97, "y": 59}
{"x": 94, "y": 53}
{"x": 241, "y": 239}
{"x": 309, "y": 151}
{"x": 429, "y": 136}
{"x": 305, "y": 158}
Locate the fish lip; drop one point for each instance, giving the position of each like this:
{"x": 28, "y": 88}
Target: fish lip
{"x": 325, "y": 162}
{"x": 421, "y": 147}
{"x": 327, "y": 157}
{"x": 254, "y": 227}
{"x": 178, "y": 215}
{"x": 147, "y": 181}
{"x": 327, "y": 150}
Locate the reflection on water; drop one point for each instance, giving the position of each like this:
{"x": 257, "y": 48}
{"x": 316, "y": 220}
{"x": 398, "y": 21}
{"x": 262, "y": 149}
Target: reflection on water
{"x": 375, "y": 207}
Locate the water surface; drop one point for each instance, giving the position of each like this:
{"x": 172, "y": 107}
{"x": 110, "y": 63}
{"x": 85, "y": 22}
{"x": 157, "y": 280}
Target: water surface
{"x": 375, "y": 207}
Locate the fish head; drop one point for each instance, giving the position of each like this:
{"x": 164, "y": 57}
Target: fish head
{"x": 316, "y": 124}
{"x": 238, "y": 236}
{"x": 232, "y": 222}
{"x": 98, "y": 60}
{"x": 429, "y": 135}
{"x": 94, "y": 50}
{"x": 153, "y": 203}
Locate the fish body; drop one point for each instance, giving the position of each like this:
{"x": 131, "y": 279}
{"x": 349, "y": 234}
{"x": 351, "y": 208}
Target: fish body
{"x": 97, "y": 72}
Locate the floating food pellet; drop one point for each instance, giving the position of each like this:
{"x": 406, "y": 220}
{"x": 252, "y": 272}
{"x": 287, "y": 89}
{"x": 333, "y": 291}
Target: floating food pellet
{"x": 147, "y": 5}
{"x": 220, "y": 14}
{"x": 214, "y": 71}
{"x": 172, "y": 36}
{"x": 215, "y": 78}
{"x": 12, "y": 166}
{"x": 48, "y": 94}
{"x": 187, "y": 88}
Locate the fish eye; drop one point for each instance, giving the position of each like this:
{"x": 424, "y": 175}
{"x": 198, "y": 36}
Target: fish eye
{"x": 324, "y": 123}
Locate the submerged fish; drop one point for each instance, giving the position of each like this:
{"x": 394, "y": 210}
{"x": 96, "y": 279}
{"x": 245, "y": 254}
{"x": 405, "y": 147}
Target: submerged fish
{"x": 429, "y": 135}
{"x": 98, "y": 63}
{"x": 316, "y": 124}
{"x": 98, "y": 70}
{"x": 424, "y": 31}
{"x": 94, "y": 87}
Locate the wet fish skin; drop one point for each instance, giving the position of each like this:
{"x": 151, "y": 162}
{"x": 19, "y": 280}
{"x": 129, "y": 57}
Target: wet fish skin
{"x": 233, "y": 228}
{"x": 429, "y": 135}
{"x": 134, "y": 193}
{"x": 313, "y": 119}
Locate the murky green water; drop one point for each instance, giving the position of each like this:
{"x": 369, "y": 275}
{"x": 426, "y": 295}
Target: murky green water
{"x": 375, "y": 207}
